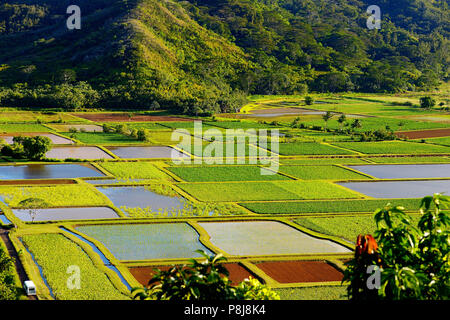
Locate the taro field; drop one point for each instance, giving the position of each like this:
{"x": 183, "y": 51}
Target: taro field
{"x": 115, "y": 198}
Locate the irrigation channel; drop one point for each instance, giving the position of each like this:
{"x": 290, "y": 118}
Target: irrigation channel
{"x": 102, "y": 256}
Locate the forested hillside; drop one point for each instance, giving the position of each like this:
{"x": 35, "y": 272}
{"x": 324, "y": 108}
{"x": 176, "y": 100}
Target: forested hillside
{"x": 200, "y": 56}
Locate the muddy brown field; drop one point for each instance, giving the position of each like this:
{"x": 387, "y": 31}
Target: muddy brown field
{"x": 300, "y": 271}
{"x": 435, "y": 133}
{"x": 36, "y": 182}
{"x": 237, "y": 272}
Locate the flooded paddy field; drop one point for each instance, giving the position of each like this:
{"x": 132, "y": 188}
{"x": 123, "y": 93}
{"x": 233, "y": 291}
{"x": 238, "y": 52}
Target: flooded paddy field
{"x": 147, "y": 241}
{"x": 146, "y": 152}
{"x": 48, "y": 171}
{"x": 266, "y": 238}
{"x": 92, "y": 213}
{"x": 405, "y": 171}
{"x": 89, "y": 153}
{"x": 53, "y": 137}
{"x": 399, "y": 189}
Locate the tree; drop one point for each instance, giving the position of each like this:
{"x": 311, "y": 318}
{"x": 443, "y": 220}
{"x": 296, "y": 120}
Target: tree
{"x": 33, "y": 205}
{"x": 67, "y": 76}
{"x": 154, "y": 105}
{"x": 341, "y": 120}
{"x": 296, "y": 122}
{"x": 412, "y": 259}
{"x": 309, "y": 100}
{"x": 356, "y": 124}
{"x": 326, "y": 117}
{"x": 206, "y": 280}
{"x": 34, "y": 148}
{"x": 427, "y": 102}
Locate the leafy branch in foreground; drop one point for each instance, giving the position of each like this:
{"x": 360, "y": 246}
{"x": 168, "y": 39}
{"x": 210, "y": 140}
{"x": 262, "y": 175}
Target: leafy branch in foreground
{"x": 413, "y": 260}
{"x": 205, "y": 280}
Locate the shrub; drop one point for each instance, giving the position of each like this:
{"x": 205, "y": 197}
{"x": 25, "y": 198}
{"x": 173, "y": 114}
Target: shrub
{"x": 8, "y": 291}
{"x": 107, "y": 128}
{"x": 413, "y": 260}
{"x": 143, "y": 135}
{"x": 309, "y": 100}
{"x": 427, "y": 102}
{"x": 121, "y": 128}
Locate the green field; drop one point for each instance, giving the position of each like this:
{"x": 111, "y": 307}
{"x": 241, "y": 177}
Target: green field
{"x": 393, "y": 147}
{"x": 346, "y": 227}
{"x": 241, "y": 125}
{"x": 104, "y": 138}
{"x": 310, "y": 148}
{"x": 144, "y": 125}
{"x": 318, "y": 136}
{"x": 313, "y": 293}
{"x": 321, "y": 172}
{"x": 377, "y": 123}
{"x": 187, "y": 125}
{"x": 55, "y": 196}
{"x": 224, "y": 173}
{"x": 13, "y": 128}
{"x": 225, "y": 150}
{"x": 55, "y": 253}
{"x": 322, "y": 161}
{"x": 275, "y": 190}
{"x": 134, "y": 170}
{"x": 48, "y": 117}
{"x": 168, "y": 138}
{"x": 410, "y": 159}
{"x": 445, "y": 141}
{"x": 354, "y": 206}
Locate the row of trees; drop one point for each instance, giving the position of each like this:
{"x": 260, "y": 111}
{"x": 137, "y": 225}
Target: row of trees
{"x": 140, "y": 134}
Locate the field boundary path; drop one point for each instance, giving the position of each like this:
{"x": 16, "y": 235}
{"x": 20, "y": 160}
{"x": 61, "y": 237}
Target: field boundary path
{"x": 13, "y": 254}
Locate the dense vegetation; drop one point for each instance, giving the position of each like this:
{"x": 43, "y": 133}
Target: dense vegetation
{"x": 8, "y": 290}
{"x": 413, "y": 259}
{"x": 200, "y": 56}
{"x": 32, "y": 148}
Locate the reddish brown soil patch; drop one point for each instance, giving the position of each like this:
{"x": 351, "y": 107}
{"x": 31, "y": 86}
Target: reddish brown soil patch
{"x": 237, "y": 273}
{"x": 300, "y": 271}
{"x": 35, "y": 182}
{"x": 435, "y": 133}
{"x": 123, "y": 117}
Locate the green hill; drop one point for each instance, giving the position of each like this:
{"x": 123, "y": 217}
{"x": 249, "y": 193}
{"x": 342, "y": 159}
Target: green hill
{"x": 200, "y": 56}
